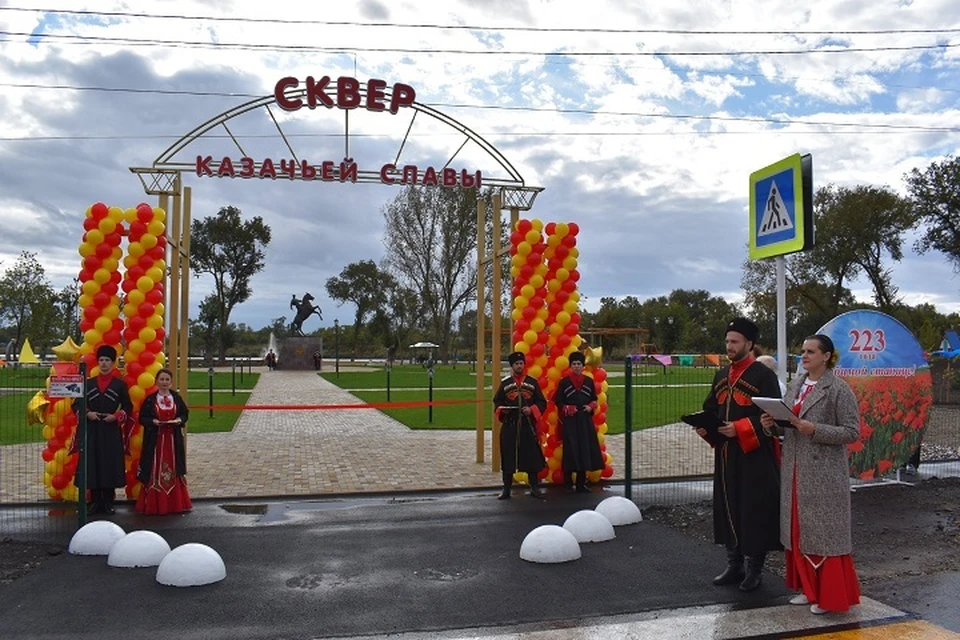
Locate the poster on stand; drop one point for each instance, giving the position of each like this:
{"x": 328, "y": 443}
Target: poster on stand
{"x": 886, "y": 368}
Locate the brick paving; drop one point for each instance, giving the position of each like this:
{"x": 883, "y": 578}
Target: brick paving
{"x": 321, "y": 452}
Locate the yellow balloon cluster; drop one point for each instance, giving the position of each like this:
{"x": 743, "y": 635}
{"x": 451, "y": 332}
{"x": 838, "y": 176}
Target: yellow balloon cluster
{"x": 59, "y": 428}
{"x": 143, "y": 309}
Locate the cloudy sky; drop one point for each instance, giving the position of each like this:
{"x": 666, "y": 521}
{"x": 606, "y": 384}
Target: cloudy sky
{"x": 641, "y": 119}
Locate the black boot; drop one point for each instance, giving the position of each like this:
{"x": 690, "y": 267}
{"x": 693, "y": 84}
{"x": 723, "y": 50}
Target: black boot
{"x": 507, "y": 484}
{"x": 535, "y": 491}
{"x": 734, "y": 571}
{"x": 754, "y": 572}
{"x": 582, "y": 482}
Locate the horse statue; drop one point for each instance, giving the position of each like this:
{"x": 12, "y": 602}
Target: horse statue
{"x": 305, "y": 308}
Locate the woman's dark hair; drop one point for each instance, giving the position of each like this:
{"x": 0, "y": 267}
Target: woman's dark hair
{"x": 826, "y": 345}
{"x": 164, "y": 370}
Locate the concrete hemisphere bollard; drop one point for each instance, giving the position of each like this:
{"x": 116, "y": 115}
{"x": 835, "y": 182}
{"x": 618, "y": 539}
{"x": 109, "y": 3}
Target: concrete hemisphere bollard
{"x": 620, "y": 511}
{"x": 138, "y": 549}
{"x": 95, "y": 538}
{"x": 549, "y": 544}
{"x": 590, "y": 526}
{"x": 191, "y": 565}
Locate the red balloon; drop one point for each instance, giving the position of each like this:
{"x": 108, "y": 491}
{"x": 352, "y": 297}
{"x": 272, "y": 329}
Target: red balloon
{"x": 543, "y": 337}
{"x": 574, "y": 228}
{"x": 556, "y": 476}
{"x": 561, "y": 297}
{"x": 111, "y": 337}
{"x": 109, "y": 290}
{"x": 599, "y": 418}
{"x": 542, "y": 381}
{"x": 145, "y": 310}
{"x": 156, "y": 346}
{"x": 147, "y": 358}
{"x": 134, "y": 369}
{"x": 529, "y": 313}
{"x": 92, "y": 263}
{"x": 161, "y": 242}
{"x": 115, "y": 278}
{"x": 137, "y": 229}
{"x": 157, "y": 253}
{"x": 569, "y": 285}
{"x": 569, "y": 241}
{"x": 117, "y": 324}
{"x": 534, "y": 258}
{"x": 571, "y": 329}
{"x": 521, "y": 326}
{"x": 86, "y": 325}
{"x": 554, "y": 308}
{"x": 575, "y": 317}
{"x": 526, "y": 271}
{"x": 46, "y": 454}
{"x": 599, "y": 374}
{"x": 59, "y": 481}
{"x": 563, "y": 340}
{"x": 145, "y": 262}
{"x": 91, "y": 360}
{"x": 607, "y": 472}
{"x": 537, "y": 350}
{"x": 551, "y": 228}
{"x": 528, "y": 359}
{"x": 524, "y": 225}
{"x": 104, "y": 250}
{"x": 62, "y": 431}
{"x": 128, "y": 285}
{"x": 85, "y": 275}
{"x": 574, "y": 275}
{"x": 536, "y": 302}
{"x": 136, "y": 323}
{"x": 131, "y": 334}
{"x": 144, "y": 213}
{"x": 114, "y": 239}
{"x": 135, "y": 272}
{"x": 513, "y": 249}
{"x": 154, "y": 297}
{"x": 516, "y": 238}
{"x": 561, "y": 252}
{"x": 515, "y": 291}
{"x": 161, "y": 334}
{"x": 99, "y": 211}
{"x": 90, "y": 223}
{"x": 91, "y": 313}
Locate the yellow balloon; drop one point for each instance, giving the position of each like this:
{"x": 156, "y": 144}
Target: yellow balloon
{"x": 91, "y": 287}
{"x": 530, "y": 337}
{"x": 92, "y": 337}
{"x": 554, "y": 241}
{"x": 554, "y": 285}
{"x": 604, "y": 428}
{"x": 604, "y": 386}
{"x": 85, "y": 348}
{"x": 94, "y": 237}
{"x": 524, "y": 249}
{"x": 130, "y": 261}
{"x": 111, "y": 264}
{"x": 570, "y": 306}
{"x": 562, "y": 362}
{"x": 111, "y": 311}
{"x": 562, "y": 229}
{"x": 102, "y": 324}
{"x": 155, "y": 321}
{"x": 130, "y": 214}
{"x": 161, "y": 360}
{"x": 136, "y": 442}
{"x": 518, "y": 261}
{"x": 85, "y": 300}
{"x": 159, "y": 309}
{"x": 148, "y": 240}
{"x": 522, "y": 347}
{"x": 144, "y": 284}
{"x": 160, "y": 264}
{"x": 86, "y": 249}
{"x": 106, "y": 226}
{"x": 553, "y": 464}
{"x": 60, "y": 456}
{"x": 156, "y": 228}
{"x": 569, "y": 263}
{"x": 556, "y": 329}
{"x": 154, "y": 368}
{"x": 514, "y": 272}
{"x": 601, "y": 438}
{"x": 135, "y": 346}
{"x": 53, "y": 493}
{"x": 135, "y": 249}
{"x": 538, "y": 325}
{"x": 563, "y": 318}
{"x": 601, "y": 399}
{"x": 536, "y": 281}
{"x": 159, "y": 214}
{"x": 537, "y": 224}
{"x": 129, "y": 309}
{"x": 553, "y": 374}
{"x": 137, "y": 394}
{"x": 115, "y": 214}
{"x": 147, "y": 335}
{"x": 47, "y": 432}
{"x": 520, "y": 476}
{"x": 533, "y": 236}
{"x": 516, "y": 314}
{"x": 145, "y": 380}
{"x": 535, "y": 370}
{"x": 154, "y": 274}
{"x": 136, "y": 298}
{"x": 562, "y": 274}
{"x": 527, "y": 291}
{"x": 520, "y": 302}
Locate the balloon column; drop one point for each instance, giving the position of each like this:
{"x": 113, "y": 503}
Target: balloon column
{"x": 99, "y": 281}
{"x": 547, "y": 326}
{"x": 59, "y": 423}
{"x": 143, "y": 309}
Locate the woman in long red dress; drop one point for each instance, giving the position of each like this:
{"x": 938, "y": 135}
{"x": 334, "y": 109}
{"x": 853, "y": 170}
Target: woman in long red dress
{"x": 162, "y": 462}
{"x": 815, "y": 483}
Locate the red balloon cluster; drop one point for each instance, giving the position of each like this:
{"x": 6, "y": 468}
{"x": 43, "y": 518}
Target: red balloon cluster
{"x": 143, "y": 308}
{"x": 59, "y": 464}
{"x": 99, "y": 281}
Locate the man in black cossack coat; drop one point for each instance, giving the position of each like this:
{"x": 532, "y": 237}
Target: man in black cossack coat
{"x": 746, "y": 478}
{"x": 108, "y": 407}
{"x": 519, "y": 404}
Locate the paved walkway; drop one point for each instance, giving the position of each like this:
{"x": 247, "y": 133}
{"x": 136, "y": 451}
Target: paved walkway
{"x": 300, "y": 453}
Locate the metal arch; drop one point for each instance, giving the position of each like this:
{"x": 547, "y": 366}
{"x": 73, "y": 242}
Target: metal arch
{"x": 165, "y": 160}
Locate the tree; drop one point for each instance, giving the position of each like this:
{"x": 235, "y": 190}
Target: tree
{"x": 363, "y": 284}
{"x": 431, "y": 238}
{"x": 231, "y": 250}
{"x": 935, "y": 195}
{"x": 26, "y": 301}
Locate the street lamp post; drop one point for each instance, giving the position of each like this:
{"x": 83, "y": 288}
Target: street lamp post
{"x": 336, "y": 345}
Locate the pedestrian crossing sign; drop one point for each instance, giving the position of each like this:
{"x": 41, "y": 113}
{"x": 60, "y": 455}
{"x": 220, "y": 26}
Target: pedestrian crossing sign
{"x": 781, "y": 207}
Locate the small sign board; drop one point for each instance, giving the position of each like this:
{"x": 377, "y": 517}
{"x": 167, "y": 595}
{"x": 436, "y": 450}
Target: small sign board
{"x": 66, "y": 386}
{"x": 781, "y": 207}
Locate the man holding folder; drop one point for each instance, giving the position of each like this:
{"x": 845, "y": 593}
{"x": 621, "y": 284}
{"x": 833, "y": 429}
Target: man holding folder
{"x": 746, "y": 480}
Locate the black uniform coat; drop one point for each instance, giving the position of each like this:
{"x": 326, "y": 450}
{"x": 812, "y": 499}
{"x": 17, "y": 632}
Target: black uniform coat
{"x": 519, "y": 442}
{"x": 746, "y": 479}
{"x": 581, "y": 446}
{"x": 148, "y": 411}
{"x": 104, "y": 450}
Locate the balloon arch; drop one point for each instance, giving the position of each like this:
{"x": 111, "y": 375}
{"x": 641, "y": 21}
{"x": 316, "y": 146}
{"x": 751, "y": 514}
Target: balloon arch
{"x": 144, "y": 307}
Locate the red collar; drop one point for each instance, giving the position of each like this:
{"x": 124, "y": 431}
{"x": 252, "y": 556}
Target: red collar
{"x": 103, "y": 381}
{"x": 737, "y": 368}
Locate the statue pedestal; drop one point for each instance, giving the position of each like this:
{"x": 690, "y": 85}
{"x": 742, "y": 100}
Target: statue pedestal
{"x": 296, "y": 353}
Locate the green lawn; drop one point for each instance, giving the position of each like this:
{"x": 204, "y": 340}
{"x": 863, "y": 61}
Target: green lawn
{"x": 35, "y": 378}
{"x": 658, "y": 397}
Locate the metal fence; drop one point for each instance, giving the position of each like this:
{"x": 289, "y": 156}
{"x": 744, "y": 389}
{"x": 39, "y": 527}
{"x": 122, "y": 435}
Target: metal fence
{"x": 666, "y": 463}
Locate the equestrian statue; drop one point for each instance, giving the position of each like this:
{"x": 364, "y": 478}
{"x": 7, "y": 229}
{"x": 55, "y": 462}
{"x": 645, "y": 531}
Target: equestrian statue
{"x": 305, "y": 308}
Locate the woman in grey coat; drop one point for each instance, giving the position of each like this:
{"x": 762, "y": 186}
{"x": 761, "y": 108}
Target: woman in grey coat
{"x": 815, "y": 482}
